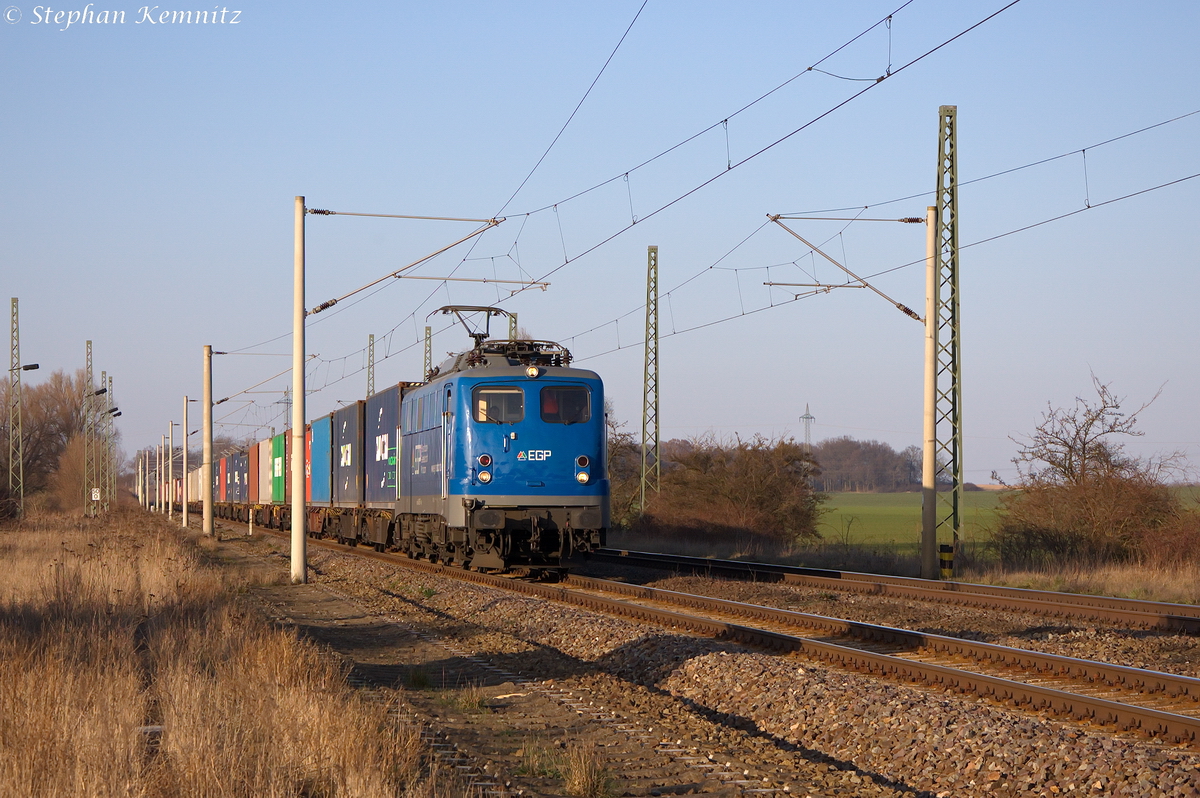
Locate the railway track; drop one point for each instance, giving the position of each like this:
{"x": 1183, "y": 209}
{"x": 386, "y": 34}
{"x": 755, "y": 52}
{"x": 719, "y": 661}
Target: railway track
{"x": 1132, "y": 612}
{"x": 1156, "y": 704}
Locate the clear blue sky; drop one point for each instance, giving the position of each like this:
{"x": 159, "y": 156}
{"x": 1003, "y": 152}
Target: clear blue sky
{"x": 150, "y": 168}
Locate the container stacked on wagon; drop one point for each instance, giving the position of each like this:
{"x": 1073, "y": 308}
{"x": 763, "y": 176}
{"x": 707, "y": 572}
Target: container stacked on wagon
{"x": 498, "y": 460}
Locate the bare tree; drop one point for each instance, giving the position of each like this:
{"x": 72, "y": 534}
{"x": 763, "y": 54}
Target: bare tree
{"x": 52, "y": 416}
{"x": 1074, "y": 445}
{"x": 847, "y": 464}
{"x": 1081, "y": 497}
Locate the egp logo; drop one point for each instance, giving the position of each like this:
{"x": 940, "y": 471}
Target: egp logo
{"x": 534, "y": 454}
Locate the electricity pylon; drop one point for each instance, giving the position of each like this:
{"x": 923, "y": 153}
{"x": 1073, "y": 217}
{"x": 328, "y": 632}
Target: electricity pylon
{"x": 808, "y": 419}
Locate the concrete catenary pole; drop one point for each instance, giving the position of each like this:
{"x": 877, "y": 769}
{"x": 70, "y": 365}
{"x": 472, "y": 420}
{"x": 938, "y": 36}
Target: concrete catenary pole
{"x": 170, "y": 469}
{"x": 161, "y": 474}
{"x": 206, "y": 458}
{"x": 929, "y": 556}
{"x": 299, "y": 543}
{"x": 184, "y": 496}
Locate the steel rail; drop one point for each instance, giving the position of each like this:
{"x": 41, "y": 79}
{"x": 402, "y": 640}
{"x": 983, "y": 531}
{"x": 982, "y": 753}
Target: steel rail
{"x": 1154, "y": 722}
{"x": 1135, "y": 612}
{"x": 1138, "y": 679}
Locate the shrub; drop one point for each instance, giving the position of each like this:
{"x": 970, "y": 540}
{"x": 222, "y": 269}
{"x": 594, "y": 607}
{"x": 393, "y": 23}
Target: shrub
{"x": 1084, "y": 500}
{"x": 760, "y": 486}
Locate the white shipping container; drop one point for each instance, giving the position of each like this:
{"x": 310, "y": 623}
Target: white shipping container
{"x": 264, "y": 472}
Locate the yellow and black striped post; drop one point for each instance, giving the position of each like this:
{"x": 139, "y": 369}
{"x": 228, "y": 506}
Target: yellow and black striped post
{"x": 946, "y": 555}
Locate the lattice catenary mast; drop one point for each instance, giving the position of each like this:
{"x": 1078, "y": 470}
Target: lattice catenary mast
{"x": 109, "y": 488}
{"x": 16, "y": 432}
{"x": 428, "y": 351}
{"x": 942, "y": 509}
{"x": 651, "y": 470}
{"x": 371, "y": 365}
{"x": 90, "y": 466}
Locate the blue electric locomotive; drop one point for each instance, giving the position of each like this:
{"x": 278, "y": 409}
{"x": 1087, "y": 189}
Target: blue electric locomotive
{"x": 497, "y": 460}
{"x": 502, "y": 459}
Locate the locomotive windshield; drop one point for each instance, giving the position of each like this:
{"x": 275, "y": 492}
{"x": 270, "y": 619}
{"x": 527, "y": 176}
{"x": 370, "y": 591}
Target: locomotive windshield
{"x": 566, "y": 404}
{"x": 498, "y": 405}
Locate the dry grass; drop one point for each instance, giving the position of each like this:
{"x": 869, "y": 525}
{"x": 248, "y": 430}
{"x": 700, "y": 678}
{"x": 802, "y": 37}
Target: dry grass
{"x": 540, "y": 760}
{"x": 585, "y": 775}
{"x": 1175, "y": 583}
{"x": 576, "y": 763}
{"x": 112, "y": 626}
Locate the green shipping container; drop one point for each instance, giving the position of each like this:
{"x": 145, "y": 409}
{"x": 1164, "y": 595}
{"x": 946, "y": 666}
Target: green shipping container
{"x": 279, "y": 469}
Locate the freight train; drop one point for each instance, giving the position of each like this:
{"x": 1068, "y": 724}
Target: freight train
{"x": 496, "y": 461}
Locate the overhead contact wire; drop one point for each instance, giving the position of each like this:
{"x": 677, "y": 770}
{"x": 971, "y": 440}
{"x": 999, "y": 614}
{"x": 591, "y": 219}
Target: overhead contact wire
{"x": 577, "y": 107}
{"x": 782, "y": 139}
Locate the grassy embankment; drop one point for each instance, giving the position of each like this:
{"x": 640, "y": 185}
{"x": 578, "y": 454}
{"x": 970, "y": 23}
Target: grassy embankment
{"x": 880, "y": 533}
{"x": 128, "y": 667}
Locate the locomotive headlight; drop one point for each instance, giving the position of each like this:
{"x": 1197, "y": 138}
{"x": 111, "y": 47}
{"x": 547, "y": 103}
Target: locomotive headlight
{"x": 582, "y": 477}
{"x": 485, "y": 460}
{"x": 485, "y": 477}
{"x": 532, "y": 371}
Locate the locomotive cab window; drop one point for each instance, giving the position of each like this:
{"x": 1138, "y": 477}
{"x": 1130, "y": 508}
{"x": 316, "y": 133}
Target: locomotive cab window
{"x": 566, "y": 404}
{"x": 498, "y": 405}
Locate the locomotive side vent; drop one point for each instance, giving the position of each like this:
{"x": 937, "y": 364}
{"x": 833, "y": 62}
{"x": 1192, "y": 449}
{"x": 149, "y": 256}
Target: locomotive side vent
{"x": 586, "y": 518}
{"x": 489, "y": 519}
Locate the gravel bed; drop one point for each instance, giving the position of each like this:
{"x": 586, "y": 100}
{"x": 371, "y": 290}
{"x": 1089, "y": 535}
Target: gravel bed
{"x": 820, "y": 730}
{"x": 1169, "y": 652}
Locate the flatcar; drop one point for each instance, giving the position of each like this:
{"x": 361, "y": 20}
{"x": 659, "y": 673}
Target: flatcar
{"x": 496, "y": 460}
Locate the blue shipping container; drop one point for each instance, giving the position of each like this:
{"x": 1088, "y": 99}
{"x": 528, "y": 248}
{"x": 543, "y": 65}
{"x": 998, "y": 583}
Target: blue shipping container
{"x": 236, "y": 479}
{"x": 382, "y": 441}
{"x": 348, "y": 454}
{"x": 321, "y": 460}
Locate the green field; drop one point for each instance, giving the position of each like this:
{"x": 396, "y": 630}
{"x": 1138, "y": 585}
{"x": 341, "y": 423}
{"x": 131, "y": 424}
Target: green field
{"x": 893, "y": 520}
